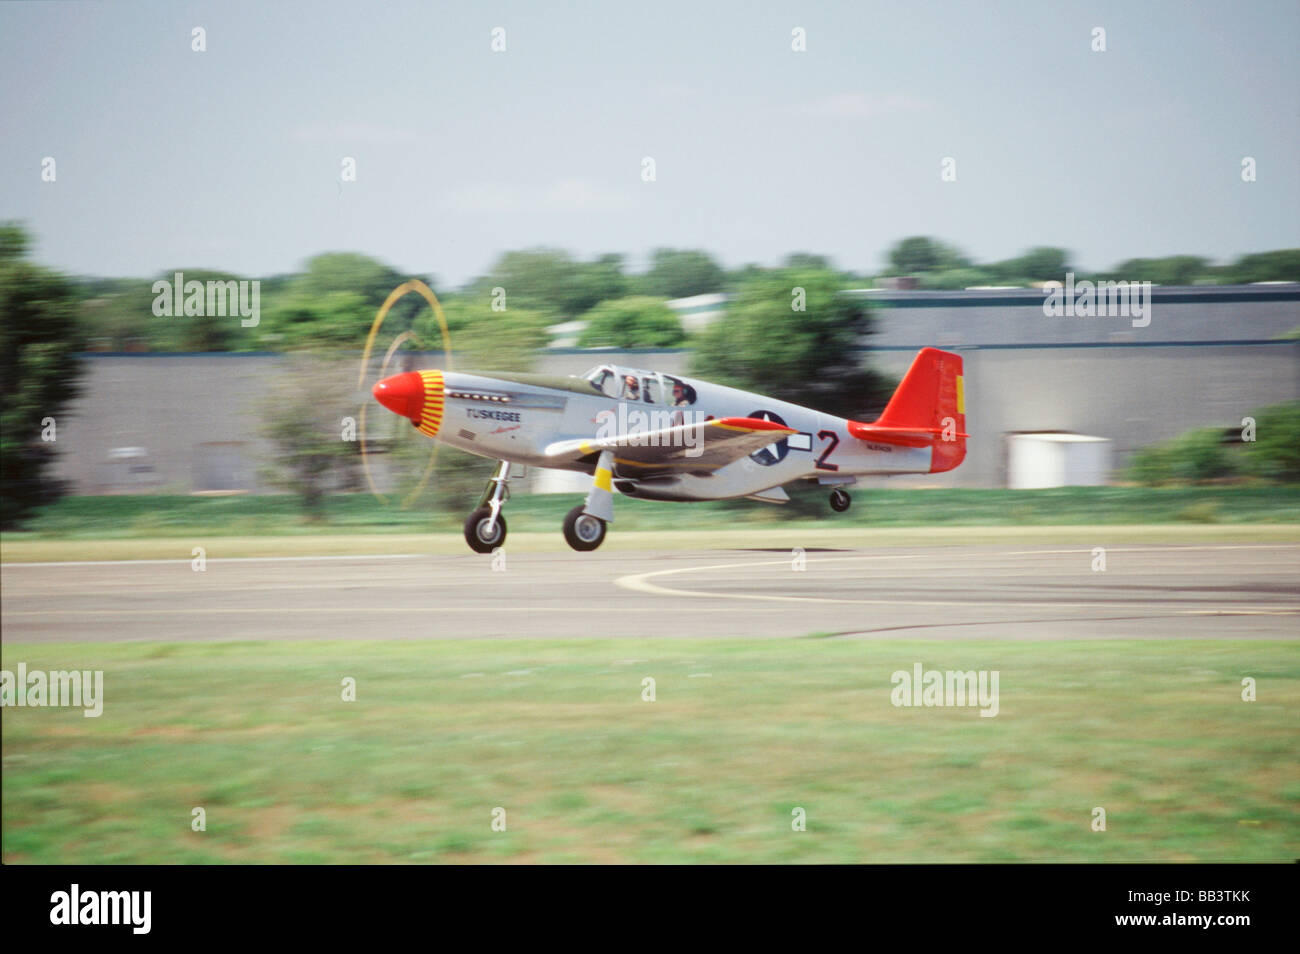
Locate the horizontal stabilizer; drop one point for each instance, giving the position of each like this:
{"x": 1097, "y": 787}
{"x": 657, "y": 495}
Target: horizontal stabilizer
{"x": 885, "y": 433}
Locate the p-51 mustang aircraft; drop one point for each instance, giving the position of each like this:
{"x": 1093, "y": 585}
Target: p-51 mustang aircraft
{"x": 664, "y": 437}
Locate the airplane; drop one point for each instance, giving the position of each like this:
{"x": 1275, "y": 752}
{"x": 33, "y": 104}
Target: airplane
{"x": 657, "y": 436}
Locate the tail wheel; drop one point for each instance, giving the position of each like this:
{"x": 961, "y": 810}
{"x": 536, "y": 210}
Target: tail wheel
{"x": 840, "y": 500}
{"x": 582, "y": 531}
{"x": 477, "y": 534}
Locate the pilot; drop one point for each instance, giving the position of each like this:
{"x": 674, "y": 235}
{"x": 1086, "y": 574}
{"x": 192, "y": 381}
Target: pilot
{"x": 681, "y": 398}
{"x": 631, "y": 391}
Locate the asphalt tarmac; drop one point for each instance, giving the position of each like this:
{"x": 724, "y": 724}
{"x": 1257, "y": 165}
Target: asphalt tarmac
{"x": 953, "y": 592}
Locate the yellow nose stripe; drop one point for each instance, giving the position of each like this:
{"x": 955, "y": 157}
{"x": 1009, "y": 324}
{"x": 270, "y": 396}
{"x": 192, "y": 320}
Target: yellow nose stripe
{"x": 431, "y": 413}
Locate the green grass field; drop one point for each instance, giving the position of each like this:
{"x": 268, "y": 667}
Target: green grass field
{"x": 168, "y": 527}
{"x": 741, "y": 733}
{"x": 161, "y": 516}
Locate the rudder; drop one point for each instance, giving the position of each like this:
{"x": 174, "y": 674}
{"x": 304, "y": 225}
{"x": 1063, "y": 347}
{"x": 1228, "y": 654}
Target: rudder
{"x": 929, "y": 408}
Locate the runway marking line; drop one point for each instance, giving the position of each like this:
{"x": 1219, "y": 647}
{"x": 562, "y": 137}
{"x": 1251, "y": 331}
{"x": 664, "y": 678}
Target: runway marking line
{"x": 268, "y": 559}
{"x": 639, "y": 582}
{"x": 417, "y": 556}
{"x": 367, "y": 610}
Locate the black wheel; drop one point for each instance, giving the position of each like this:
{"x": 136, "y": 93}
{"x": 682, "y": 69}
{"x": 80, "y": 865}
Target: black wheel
{"x": 582, "y": 531}
{"x": 840, "y": 500}
{"x": 476, "y": 535}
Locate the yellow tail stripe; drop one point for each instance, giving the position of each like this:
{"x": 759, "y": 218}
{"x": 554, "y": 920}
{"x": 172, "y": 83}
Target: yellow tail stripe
{"x": 961, "y": 395}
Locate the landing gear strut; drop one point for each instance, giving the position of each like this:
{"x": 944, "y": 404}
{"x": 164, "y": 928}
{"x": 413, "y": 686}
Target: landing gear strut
{"x": 840, "y": 500}
{"x": 485, "y": 528}
{"x": 584, "y": 525}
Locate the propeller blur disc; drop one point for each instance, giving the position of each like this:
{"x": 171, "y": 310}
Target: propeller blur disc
{"x": 401, "y": 291}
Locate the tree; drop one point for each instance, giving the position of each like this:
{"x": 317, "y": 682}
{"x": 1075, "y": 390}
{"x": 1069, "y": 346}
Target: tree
{"x": 603, "y": 279}
{"x": 1172, "y": 270}
{"x": 1043, "y": 263}
{"x": 118, "y": 315}
{"x": 635, "y": 322}
{"x": 484, "y": 339}
{"x": 680, "y": 273}
{"x": 40, "y": 337}
{"x": 923, "y": 254}
{"x": 206, "y": 332}
{"x": 14, "y": 242}
{"x": 320, "y": 320}
{"x": 1275, "y": 453}
{"x": 303, "y": 418}
{"x": 808, "y": 357}
{"x": 806, "y": 260}
{"x": 547, "y": 279}
{"x": 348, "y": 272}
{"x": 332, "y": 304}
{"x": 736, "y": 278}
{"x": 1280, "y": 266}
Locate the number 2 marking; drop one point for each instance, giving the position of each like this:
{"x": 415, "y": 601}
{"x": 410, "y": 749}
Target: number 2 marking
{"x": 834, "y": 443}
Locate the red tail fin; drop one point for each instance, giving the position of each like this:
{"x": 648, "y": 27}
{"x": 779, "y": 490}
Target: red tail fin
{"x": 927, "y": 410}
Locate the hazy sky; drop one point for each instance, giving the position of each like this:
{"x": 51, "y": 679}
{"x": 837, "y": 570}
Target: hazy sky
{"x": 231, "y": 158}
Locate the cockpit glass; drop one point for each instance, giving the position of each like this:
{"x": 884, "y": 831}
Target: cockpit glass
{"x": 680, "y": 394}
{"x": 648, "y": 387}
{"x": 603, "y": 380}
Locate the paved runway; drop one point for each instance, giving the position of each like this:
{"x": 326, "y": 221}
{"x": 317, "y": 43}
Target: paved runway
{"x": 963, "y": 592}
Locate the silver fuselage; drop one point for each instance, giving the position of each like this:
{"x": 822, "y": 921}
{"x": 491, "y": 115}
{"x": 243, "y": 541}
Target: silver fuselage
{"x": 515, "y": 417}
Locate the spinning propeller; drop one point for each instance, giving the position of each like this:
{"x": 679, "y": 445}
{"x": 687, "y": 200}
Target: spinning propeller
{"x": 399, "y": 393}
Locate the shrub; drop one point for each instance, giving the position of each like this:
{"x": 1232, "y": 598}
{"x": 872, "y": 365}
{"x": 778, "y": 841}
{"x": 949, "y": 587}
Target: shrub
{"x": 1275, "y": 452}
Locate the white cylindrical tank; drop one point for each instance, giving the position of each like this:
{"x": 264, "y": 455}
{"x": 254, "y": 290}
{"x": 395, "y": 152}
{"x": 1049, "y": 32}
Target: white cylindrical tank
{"x": 1057, "y": 460}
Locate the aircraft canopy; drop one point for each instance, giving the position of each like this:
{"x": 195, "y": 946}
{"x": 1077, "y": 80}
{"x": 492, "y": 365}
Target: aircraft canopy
{"x": 646, "y": 387}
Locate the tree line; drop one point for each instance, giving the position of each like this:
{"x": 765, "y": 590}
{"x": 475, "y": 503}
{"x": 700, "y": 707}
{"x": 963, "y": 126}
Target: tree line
{"x": 331, "y": 301}
{"x": 937, "y": 265}
{"x": 784, "y": 331}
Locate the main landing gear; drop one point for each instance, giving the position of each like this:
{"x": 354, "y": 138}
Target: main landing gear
{"x": 485, "y": 528}
{"x": 582, "y": 531}
{"x": 584, "y": 525}
{"x": 840, "y": 500}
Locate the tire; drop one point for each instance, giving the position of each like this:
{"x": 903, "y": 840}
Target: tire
{"x": 840, "y": 500}
{"x": 582, "y": 531}
{"x": 474, "y": 524}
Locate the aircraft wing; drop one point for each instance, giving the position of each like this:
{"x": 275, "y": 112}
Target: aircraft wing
{"x": 702, "y": 446}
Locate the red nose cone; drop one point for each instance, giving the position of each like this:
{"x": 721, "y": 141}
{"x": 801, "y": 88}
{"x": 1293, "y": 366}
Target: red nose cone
{"x": 402, "y": 394}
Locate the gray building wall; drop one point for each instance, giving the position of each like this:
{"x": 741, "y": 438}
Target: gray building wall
{"x": 1015, "y": 316}
{"x": 1132, "y": 395}
{"x": 195, "y": 417}
{"x": 1208, "y": 358}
